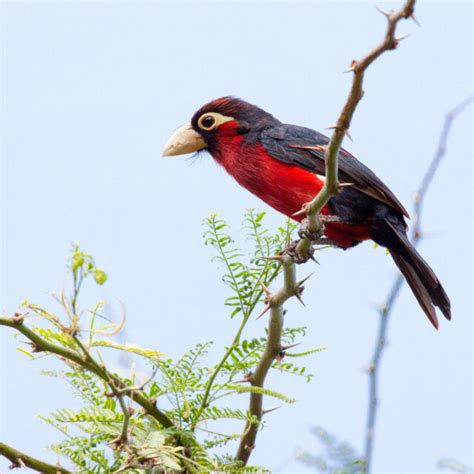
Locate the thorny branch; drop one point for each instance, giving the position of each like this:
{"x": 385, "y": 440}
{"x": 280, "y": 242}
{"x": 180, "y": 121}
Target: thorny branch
{"x": 19, "y": 460}
{"x": 387, "y": 308}
{"x": 331, "y": 186}
{"x": 273, "y": 349}
{"x": 302, "y": 250}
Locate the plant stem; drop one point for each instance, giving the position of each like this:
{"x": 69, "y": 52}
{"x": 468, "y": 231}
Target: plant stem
{"x": 19, "y": 459}
{"x": 42, "y": 345}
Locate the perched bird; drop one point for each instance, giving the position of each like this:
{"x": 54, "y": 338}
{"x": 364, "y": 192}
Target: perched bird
{"x": 284, "y": 166}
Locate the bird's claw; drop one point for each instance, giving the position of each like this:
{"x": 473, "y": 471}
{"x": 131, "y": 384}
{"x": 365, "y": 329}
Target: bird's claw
{"x": 297, "y": 257}
{"x": 305, "y": 233}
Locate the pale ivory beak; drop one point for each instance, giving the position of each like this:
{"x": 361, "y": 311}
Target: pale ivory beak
{"x": 184, "y": 140}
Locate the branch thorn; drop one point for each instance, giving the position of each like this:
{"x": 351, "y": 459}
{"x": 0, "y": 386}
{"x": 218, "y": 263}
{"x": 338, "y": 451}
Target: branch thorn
{"x": 298, "y": 295}
{"x": 290, "y": 346}
{"x": 401, "y": 38}
{"x": 337, "y": 127}
{"x": 265, "y": 309}
{"x": 245, "y": 380}
{"x": 352, "y": 67}
{"x": 300, "y": 212}
{"x": 268, "y": 410}
{"x": 305, "y": 278}
{"x": 413, "y": 17}
{"x": 384, "y": 12}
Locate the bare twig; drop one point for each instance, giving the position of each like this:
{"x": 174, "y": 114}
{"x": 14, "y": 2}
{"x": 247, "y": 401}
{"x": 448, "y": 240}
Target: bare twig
{"x": 19, "y": 460}
{"x": 302, "y": 250}
{"x": 387, "y": 308}
{"x": 331, "y": 187}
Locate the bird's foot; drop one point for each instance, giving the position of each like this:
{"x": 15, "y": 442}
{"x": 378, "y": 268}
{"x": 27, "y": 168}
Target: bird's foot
{"x": 305, "y": 233}
{"x": 298, "y": 257}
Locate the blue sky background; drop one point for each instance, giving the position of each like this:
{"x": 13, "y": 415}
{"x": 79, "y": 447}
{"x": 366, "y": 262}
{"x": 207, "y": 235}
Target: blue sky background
{"x": 91, "y": 92}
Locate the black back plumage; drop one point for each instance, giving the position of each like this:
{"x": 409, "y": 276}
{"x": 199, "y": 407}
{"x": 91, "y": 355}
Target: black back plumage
{"x": 304, "y": 147}
{"x": 368, "y": 199}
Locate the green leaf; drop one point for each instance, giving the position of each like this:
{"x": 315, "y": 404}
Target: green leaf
{"x": 261, "y": 391}
{"x": 24, "y": 351}
{"x": 305, "y": 353}
{"x": 148, "y": 353}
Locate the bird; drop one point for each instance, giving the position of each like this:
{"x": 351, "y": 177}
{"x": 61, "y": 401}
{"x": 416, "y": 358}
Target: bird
{"x": 284, "y": 165}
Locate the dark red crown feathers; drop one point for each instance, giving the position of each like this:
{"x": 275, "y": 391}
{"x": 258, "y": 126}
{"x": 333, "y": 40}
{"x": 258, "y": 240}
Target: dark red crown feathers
{"x": 238, "y": 109}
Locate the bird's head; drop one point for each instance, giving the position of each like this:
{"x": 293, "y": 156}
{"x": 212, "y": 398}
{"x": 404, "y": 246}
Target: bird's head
{"x": 215, "y": 123}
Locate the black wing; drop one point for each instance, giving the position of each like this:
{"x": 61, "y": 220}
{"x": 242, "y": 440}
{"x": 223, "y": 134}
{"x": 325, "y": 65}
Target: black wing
{"x": 305, "y": 148}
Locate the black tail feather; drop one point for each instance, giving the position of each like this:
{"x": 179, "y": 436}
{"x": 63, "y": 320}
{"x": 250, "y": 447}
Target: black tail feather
{"x": 420, "y": 277}
{"x": 416, "y": 285}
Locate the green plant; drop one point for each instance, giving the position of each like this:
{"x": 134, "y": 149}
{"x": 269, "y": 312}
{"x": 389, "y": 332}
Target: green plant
{"x": 177, "y": 418}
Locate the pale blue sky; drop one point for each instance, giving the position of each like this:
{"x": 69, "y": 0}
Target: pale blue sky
{"x": 91, "y": 91}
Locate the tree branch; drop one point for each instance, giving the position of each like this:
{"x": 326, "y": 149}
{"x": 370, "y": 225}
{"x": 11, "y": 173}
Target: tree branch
{"x": 387, "y": 308}
{"x": 331, "y": 186}
{"x": 273, "y": 350}
{"x": 42, "y": 345}
{"x": 19, "y": 459}
{"x": 302, "y": 250}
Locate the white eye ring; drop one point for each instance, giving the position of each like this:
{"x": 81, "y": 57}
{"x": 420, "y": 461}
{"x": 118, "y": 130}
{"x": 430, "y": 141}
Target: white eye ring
{"x": 207, "y": 122}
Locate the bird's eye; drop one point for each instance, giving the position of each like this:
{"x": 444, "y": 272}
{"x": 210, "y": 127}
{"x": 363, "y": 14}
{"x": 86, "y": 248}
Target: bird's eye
{"x": 207, "y": 122}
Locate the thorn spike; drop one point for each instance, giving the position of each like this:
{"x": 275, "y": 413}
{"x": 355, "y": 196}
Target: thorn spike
{"x": 299, "y": 213}
{"x": 352, "y": 67}
{"x": 265, "y": 309}
{"x": 269, "y": 410}
{"x": 246, "y": 380}
{"x": 383, "y": 12}
{"x": 265, "y": 289}
{"x": 401, "y": 38}
{"x": 415, "y": 20}
{"x": 305, "y": 278}
{"x": 298, "y": 297}
{"x": 290, "y": 346}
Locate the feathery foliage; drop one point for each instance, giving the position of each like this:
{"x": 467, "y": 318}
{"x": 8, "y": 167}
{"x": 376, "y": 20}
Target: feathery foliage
{"x": 339, "y": 457}
{"x": 180, "y": 416}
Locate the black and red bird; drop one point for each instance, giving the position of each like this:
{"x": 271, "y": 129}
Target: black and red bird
{"x": 284, "y": 166}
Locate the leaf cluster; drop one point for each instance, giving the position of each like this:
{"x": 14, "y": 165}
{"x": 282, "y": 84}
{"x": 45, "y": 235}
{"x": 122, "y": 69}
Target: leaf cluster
{"x": 111, "y": 431}
{"x": 339, "y": 457}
